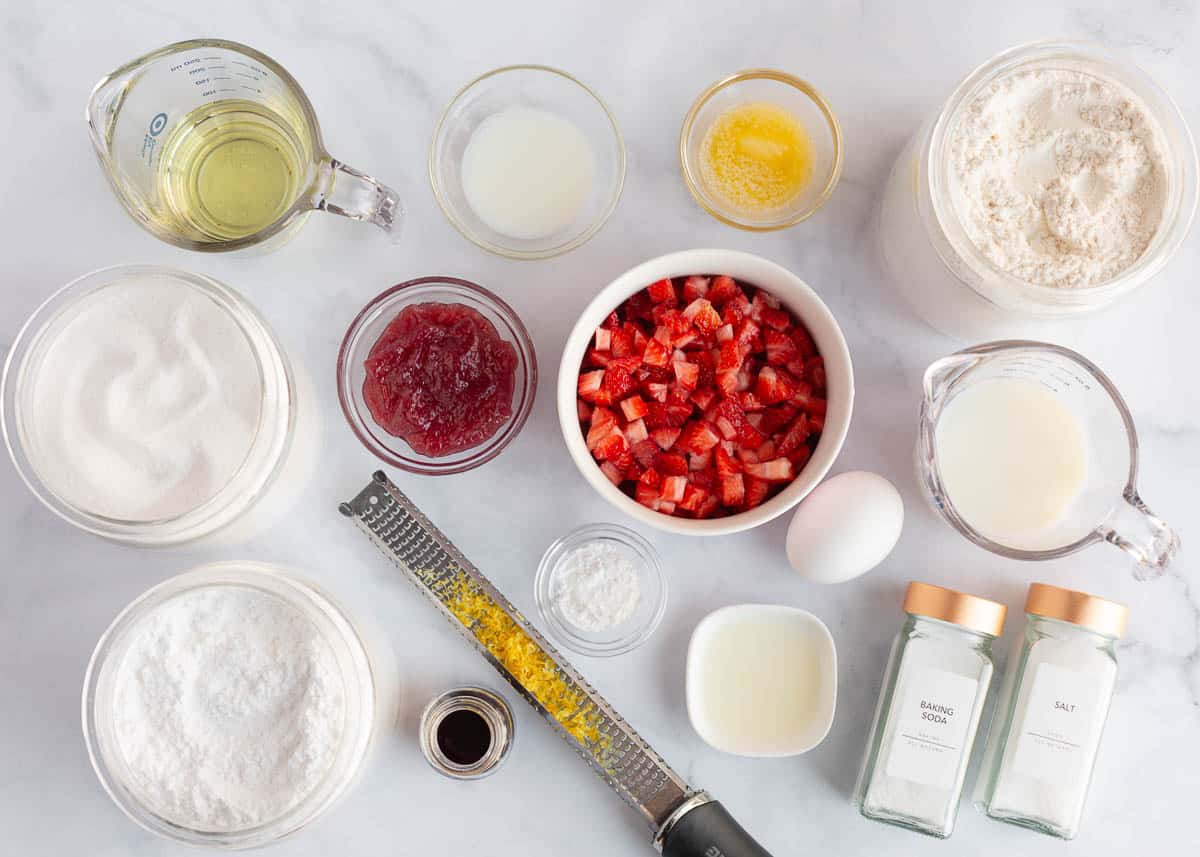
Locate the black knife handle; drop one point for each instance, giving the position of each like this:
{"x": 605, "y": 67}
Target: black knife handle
{"x": 710, "y": 831}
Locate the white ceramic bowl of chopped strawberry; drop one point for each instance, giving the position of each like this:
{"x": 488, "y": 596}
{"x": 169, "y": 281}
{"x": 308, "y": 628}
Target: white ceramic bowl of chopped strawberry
{"x": 705, "y": 391}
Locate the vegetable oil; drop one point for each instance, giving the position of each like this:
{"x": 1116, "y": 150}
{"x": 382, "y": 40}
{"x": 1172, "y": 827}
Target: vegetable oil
{"x": 231, "y": 168}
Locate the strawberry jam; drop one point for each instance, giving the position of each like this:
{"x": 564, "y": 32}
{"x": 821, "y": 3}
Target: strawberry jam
{"x": 440, "y": 378}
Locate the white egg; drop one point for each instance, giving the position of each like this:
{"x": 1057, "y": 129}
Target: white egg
{"x": 845, "y": 527}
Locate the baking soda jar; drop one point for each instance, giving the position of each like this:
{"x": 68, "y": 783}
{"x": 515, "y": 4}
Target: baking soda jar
{"x": 1046, "y": 730}
{"x": 948, "y": 280}
{"x": 933, "y": 693}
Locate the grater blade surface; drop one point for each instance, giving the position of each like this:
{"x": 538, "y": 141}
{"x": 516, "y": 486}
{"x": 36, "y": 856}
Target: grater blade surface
{"x": 601, "y": 736}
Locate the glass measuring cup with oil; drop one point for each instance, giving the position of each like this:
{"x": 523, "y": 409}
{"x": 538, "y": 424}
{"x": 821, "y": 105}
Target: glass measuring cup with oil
{"x": 213, "y": 146}
{"x": 1028, "y": 450}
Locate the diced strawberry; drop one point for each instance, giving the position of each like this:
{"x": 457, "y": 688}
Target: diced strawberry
{"x": 796, "y": 367}
{"x": 724, "y": 333}
{"x": 816, "y": 422}
{"x": 615, "y": 474}
{"x": 804, "y": 341}
{"x": 672, "y": 319}
{"x": 595, "y": 358}
{"x": 756, "y": 491}
{"x": 777, "y": 417}
{"x": 638, "y": 306}
{"x": 634, "y": 408}
{"x": 666, "y": 507}
{"x": 658, "y": 392}
{"x": 807, "y": 401}
{"x": 693, "y": 497}
{"x": 727, "y": 381}
{"x": 731, "y": 357}
{"x": 748, "y": 455}
{"x": 755, "y": 419}
{"x": 663, "y": 334}
{"x": 731, "y": 420}
{"x": 699, "y": 461}
{"x": 665, "y": 437}
{"x": 726, "y": 463}
{"x": 673, "y": 488}
{"x": 747, "y": 336}
{"x": 733, "y": 489}
{"x": 703, "y": 316}
{"x": 611, "y": 321}
{"x": 619, "y": 382}
{"x": 695, "y": 287}
{"x": 583, "y": 409}
{"x": 795, "y": 436}
{"x": 687, "y": 374}
{"x": 599, "y": 431}
{"x": 775, "y": 470}
{"x": 603, "y": 418}
{"x": 590, "y": 384}
{"x": 711, "y": 503}
{"x": 781, "y": 349}
{"x": 644, "y": 452}
{"x": 621, "y": 343}
{"x": 636, "y": 432}
{"x": 766, "y": 450}
{"x": 780, "y": 319}
{"x": 612, "y": 446}
{"x": 645, "y": 494}
{"x": 722, "y": 290}
{"x": 689, "y": 340}
{"x": 603, "y": 338}
{"x": 703, "y": 398}
{"x": 799, "y": 457}
{"x": 651, "y": 478}
{"x": 751, "y": 436}
{"x": 736, "y": 310}
{"x": 706, "y": 478}
{"x": 671, "y": 464}
{"x": 656, "y": 354}
{"x": 662, "y": 291}
{"x": 774, "y": 385}
{"x": 698, "y": 436}
{"x": 750, "y": 402}
{"x": 762, "y": 301}
{"x": 814, "y": 370}
{"x": 677, "y": 414}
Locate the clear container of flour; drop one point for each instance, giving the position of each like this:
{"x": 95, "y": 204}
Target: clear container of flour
{"x": 947, "y": 278}
{"x": 153, "y": 406}
{"x": 232, "y": 705}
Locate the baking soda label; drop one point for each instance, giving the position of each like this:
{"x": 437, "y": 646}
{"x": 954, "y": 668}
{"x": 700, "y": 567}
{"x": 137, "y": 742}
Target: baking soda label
{"x": 1061, "y": 720}
{"x": 931, "y": 730}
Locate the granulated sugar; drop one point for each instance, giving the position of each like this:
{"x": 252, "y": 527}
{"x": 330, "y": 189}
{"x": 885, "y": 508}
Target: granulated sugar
{"x": 1058, "y": 176}
{"x": 228, "y": 708}
{"x": 597, "y": 587}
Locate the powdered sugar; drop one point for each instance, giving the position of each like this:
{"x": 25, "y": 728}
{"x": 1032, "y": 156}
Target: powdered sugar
{"x": 228, "y": 708}
{"x": 596, "y": 587}
{"x": 1058, "y": 176}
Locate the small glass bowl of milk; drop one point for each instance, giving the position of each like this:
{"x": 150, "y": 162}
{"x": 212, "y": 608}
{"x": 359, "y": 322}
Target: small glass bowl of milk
{"x": 527, "y": 162}
{"x": 1029, "y": 451}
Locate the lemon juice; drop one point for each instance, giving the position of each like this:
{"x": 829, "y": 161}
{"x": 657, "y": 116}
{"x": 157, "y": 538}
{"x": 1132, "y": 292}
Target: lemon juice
{"x": 230, "y": 169}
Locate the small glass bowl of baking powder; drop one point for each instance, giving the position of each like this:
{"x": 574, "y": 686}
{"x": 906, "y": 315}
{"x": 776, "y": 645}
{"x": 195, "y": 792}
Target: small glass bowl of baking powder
{"x": 131, "y": 703}
{"x": 601, "y": 590}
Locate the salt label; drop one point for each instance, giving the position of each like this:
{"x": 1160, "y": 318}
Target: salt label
{"x": 1061, "y": 726}
{"x": 934, "y": 718}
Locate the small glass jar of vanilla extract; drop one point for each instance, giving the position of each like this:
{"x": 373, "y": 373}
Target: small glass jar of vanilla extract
{"x": 466, "y": 732}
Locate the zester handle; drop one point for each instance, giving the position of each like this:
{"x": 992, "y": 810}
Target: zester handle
{"x": 708, "y": 830}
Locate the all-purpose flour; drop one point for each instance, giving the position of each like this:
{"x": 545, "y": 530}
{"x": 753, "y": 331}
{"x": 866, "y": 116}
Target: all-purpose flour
{"x": 1058, "y": 176}
{"x": 228, "y": 708}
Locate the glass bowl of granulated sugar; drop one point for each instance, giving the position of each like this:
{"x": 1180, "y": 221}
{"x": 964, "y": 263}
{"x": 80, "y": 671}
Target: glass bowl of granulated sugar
{"x": 600, "y": 590}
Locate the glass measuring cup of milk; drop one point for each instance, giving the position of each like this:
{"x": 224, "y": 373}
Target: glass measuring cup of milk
{"x": 1028, "y": 450}
{"x": 213, "y": 146}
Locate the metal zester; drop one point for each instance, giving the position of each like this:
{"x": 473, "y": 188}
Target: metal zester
{"x": 686, "y": 822}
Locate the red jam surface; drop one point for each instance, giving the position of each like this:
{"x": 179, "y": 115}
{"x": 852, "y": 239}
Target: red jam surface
{"x": 440, "y": 378}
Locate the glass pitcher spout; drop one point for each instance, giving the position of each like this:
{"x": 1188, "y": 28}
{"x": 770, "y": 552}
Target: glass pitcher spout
{"x": 352, "y": 193}
{"x": 1133, "y": 528}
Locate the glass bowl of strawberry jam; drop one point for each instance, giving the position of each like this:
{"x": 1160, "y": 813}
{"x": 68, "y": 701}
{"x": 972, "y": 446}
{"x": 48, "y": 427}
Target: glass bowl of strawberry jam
{"x": 436, "y": 375}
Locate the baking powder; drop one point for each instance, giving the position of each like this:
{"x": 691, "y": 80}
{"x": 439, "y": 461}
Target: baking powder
{"x": 1058, "y": 176}
{"x": 228, "y": 708}
{"x": 596, "y": 587}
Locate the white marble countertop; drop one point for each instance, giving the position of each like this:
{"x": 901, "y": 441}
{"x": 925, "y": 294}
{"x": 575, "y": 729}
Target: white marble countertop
{"x": 378, "y": 74}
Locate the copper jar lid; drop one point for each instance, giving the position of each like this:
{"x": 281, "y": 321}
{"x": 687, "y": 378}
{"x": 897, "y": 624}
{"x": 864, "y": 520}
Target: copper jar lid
{"x": 957, "y": 608}
{"x": 1078, "y": 608}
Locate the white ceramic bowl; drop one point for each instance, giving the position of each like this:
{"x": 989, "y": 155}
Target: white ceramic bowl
{"x": 757, "y": 661}
{"x": 797, "y": 296}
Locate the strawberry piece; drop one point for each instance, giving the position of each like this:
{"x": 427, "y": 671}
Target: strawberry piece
{"x": 724, "y": 333}
{"x": 766, "y": 450}
{"x": 665, "y": 437}
{"x": 736, "y": 311}
{"x": 698, "y": 437}
{"x": 804, "y": 341}
{"x": 774, "y": 385}
{"x": 751, "y": 436}
{"x": 760, "y": 302}
{"x": 583, "y": 409}
{"x": 689, "y": 340}
{"x": 731, "y": 420}
{"x": 695, "y": 287}
{"x": 662, "y": 291}
{"x": 615, "y": 474}
{"x": 687, "y": 374}
{"x": 677, "y": 414}
{"x": 590, "y": 384}
{"x": 799, "y": 458}
{"x": 814, "y": 370}
{"x": 693, "y": 498}
{"x": 780, "y": 319}
{"x": 703, "y": 316}
{"x": 706, "y": 478}
{"x": 612, "y": 446}
{"x": 816, "y": 422}
{"x": 621, "y": 343}
{"x": 731, "y": 357}
{"x": 699, "y": 461}
{"x": 756, "y": 491}
{"x": 603, "y": 338}
{"x": 726, "y": 464}
{"x": 710, "y": 505}
{"x": 656, "y": 354}
{"x": 723, "y": 289}
{"x": 727, "y": 381}
{"x": 596, "y": 358}
{"x": 651, "y": 478}
{"x": 658, "y": 392}
{"x": 647, "y": 495}
{"x": 807, "y": 401}
{"x": 638, "y": 306}
{"x": 670, "y": 463}
{"x": 673, "y": 320}
{"x": 733, "y": 489}
{"x": 673, "y": 489}
{"x": 619, "y": 382}
{"x": 611, "y": 321}
{"x": 750, "y": 402}
{"x": 636, "y": 432}
{"x": 795, "y": 437}
{"x": 775, "y": 470}
{"x": 644, "y": 452}
{"x": 703, "y": 398}
{"x": 781, "y": 348}
{"x": 634, "y": 408}
{"x": 747, "y": 336}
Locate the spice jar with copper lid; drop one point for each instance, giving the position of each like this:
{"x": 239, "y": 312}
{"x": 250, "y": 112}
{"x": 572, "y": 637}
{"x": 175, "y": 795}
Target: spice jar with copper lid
{"x": 1046, "y": 730}
{"x": 929, "y": 707}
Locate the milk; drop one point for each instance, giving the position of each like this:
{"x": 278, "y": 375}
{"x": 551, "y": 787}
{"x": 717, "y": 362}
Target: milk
{"x": 1012, "y": 458}
{"x": 527, "y": 173}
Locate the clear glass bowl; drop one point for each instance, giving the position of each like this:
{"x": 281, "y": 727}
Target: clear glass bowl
{"x": 798, "y": 97}
{"x": 370, "y": 323}
{"x": 633, "y": 631}
{"x": 366, "y": 711}
{"x": 264, "y": 459}
{"x": 531, "y": 86}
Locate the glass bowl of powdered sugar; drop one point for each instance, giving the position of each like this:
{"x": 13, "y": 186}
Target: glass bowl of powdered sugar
{"x": 231, "y": 705}
{"x": 600, "y": 590}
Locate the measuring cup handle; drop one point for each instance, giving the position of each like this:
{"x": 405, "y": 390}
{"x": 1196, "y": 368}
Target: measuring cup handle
{"x": 1133, "y": 528}
{"x": 354, "y": 194}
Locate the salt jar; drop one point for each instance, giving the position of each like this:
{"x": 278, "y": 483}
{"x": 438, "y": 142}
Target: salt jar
{"x": 929, "y": 707}
{"x": 1046, "y": 730}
